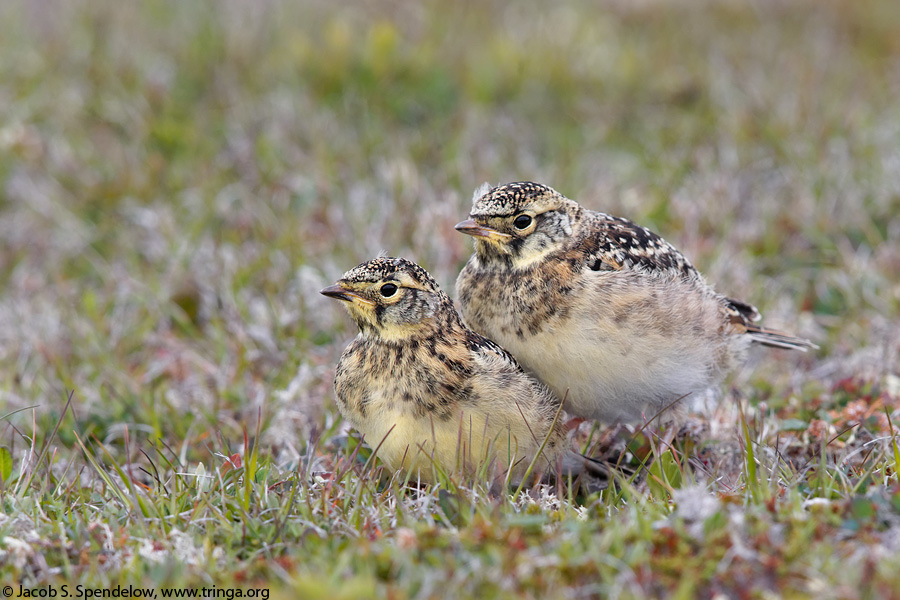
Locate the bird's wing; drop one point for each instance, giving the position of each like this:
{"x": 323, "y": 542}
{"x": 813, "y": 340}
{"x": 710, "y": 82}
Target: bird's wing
{"x": 485, "y": 349}
{"x": 613, "y": 244}
{"x": 505, "y": 380}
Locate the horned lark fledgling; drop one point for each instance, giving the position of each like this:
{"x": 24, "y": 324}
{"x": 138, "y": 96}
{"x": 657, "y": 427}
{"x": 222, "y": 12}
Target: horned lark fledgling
{"x": 602, "y": 310}
{"x": 421, "y": 384}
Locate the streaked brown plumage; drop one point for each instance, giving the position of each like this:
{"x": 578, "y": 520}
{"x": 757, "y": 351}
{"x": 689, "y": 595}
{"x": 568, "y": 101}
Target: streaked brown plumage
{"x": 604, "y": 311}
{"x": 419, "y": 383}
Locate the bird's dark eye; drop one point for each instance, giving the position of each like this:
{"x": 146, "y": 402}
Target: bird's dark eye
{"x": 522, "y": 221}
{"x": 388, "y": 290}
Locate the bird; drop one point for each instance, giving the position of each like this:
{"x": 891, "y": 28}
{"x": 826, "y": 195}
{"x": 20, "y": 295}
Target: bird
{"x": 605, "y": 312}
{"x": 431, "y": 395}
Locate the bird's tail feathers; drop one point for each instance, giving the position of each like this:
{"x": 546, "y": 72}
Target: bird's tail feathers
{"x": 778, "y": 339}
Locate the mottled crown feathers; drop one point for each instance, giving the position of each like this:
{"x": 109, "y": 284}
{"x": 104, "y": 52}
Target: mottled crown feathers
{"x": 389, "y": 268}
{"x": 510, "y": 198}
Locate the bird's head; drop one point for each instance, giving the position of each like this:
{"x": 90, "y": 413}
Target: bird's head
{"x": 390, "y": 298}
{"x": 518, "y": 223}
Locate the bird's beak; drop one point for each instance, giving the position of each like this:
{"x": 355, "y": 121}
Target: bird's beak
{"x": 470, "y": 227}
{"x": 342, "y": 293}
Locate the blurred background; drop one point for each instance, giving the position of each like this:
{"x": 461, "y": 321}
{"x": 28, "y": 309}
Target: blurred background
{"x": 179, "y": 179}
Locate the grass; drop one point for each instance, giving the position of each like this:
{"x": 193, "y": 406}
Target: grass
{"x": 180, "y": 179}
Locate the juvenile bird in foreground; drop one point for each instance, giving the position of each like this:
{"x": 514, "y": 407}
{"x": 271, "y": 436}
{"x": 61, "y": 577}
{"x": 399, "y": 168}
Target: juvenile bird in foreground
{"x": 604, "y": 311}
{"x": 423, "y": 386}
